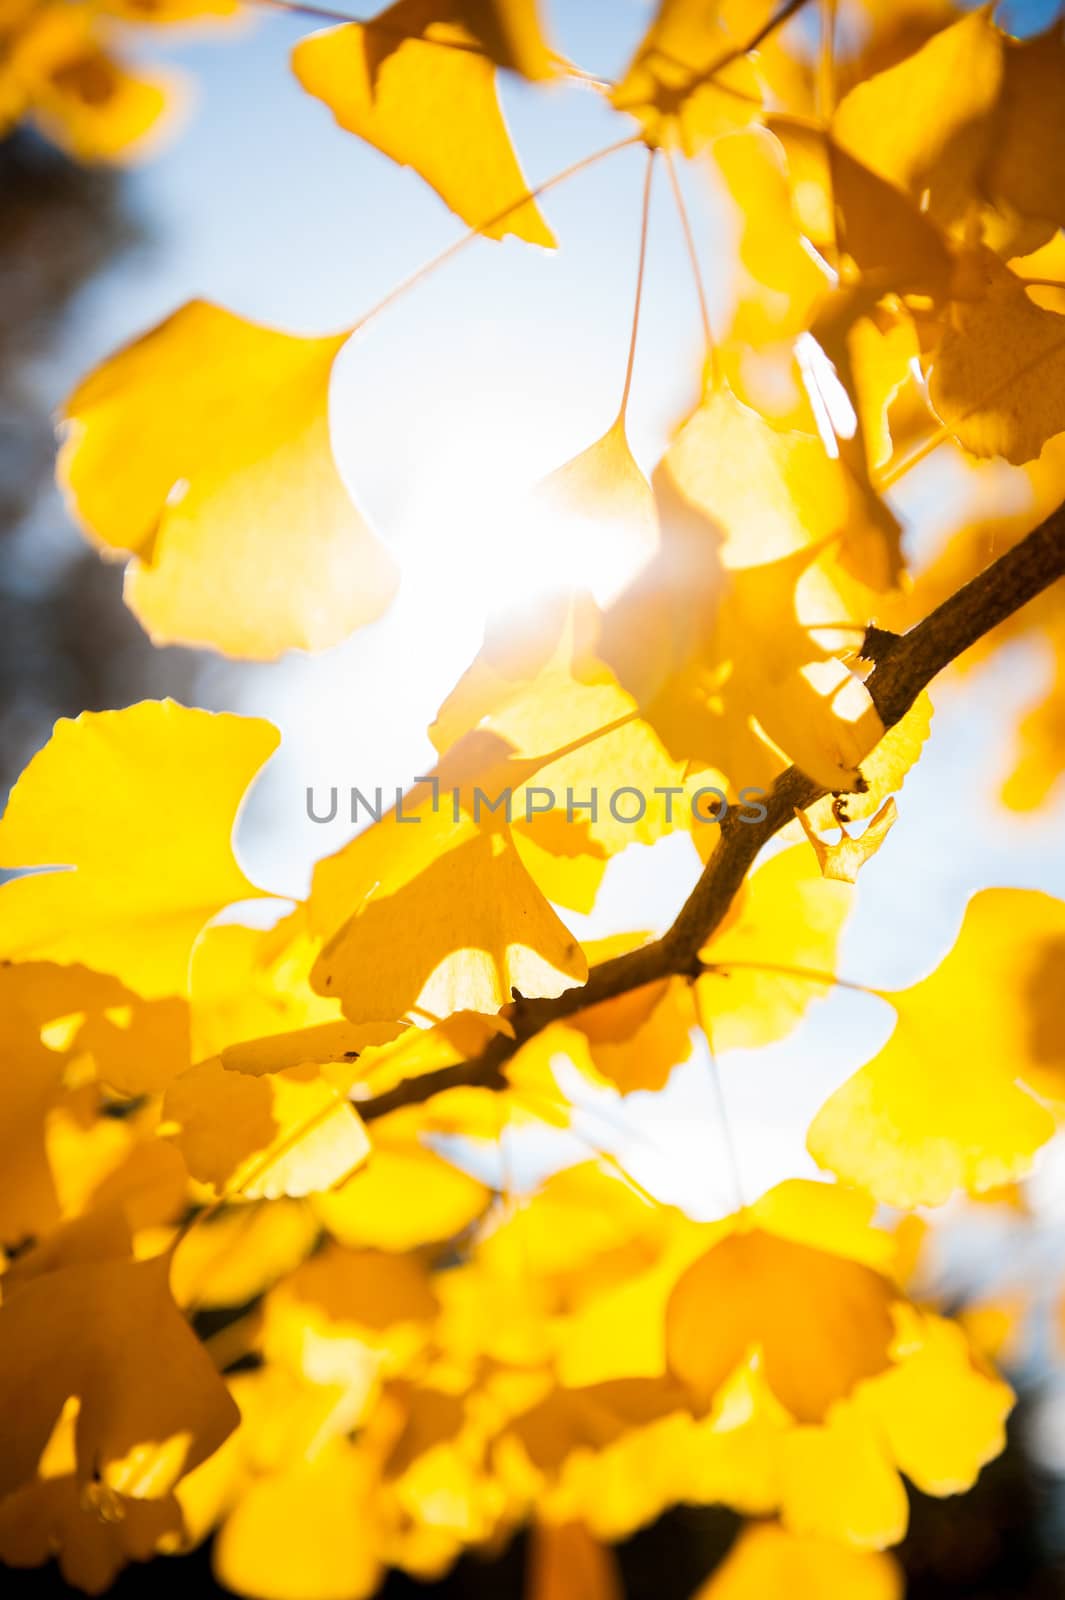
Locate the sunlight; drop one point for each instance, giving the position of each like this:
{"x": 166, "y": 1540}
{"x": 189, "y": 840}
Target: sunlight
{"x": 478, "y": 544}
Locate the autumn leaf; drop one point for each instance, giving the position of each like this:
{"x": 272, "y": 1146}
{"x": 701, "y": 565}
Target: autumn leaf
{"x": 484, "y": 930}
{"x": 943, "y": 1106}
{"x": 80, "y": 1330}
{"x": 950, "y": 87}
{"x": 57, "y": 69}
{"x": 998, "y": 374}
{"x": 719, "y": 661}
{"x": 413, "y": 83}
{"x": 1025, "y": 171}
{"x": 838, "y": 1329}
{"x": 765, "y": 966}
{"x": 843, "y": 860}
{"x": 772, "y": 493}
{"x": 243, "y": 537}
{"x": 690, "y": 79}
{"x": 766, "y": 1559}
{"x": 145, "y": 860}
{"x": 407, "y": 1195}
{"x": 282, "y": 1133}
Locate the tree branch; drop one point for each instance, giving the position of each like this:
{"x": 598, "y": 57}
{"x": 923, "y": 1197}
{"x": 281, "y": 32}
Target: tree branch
{"x": 903, "y": 669}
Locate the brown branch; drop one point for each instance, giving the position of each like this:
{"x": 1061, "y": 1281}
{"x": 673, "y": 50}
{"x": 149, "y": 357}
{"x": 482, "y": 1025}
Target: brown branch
{"x": 902, "y": 670}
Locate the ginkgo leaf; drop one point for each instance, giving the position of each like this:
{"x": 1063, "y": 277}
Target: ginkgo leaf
{"x": 775, "y": 953}
{"x": 767, "y": 1560}
{"x": 838, "y": 1482}
{"x": 688, "y": 81}
{"x": 843, "y": 204}
{"x": 406, "y": 1195}
{"x": 884, "y": 769}
{"x": 950, "y": 88}
{"x": 463, "y": 935}
{"x": 305, "y": 1532}
{"x": 414, "y": 83}
{"x": 230, "y": 1258}
{"x": 243, "y": 537}
{"x": 940, "y": 1410}
{"x": 1025, "y": 172}
{"x": 772, "y": 493}
{"x": 786, "y": 281}
{"x": 324, "y": 1042}
{"x": 844, "y": 860}
{"x": 603, "y": 501}
{"x": 103, "y": 1330}
{"x": 283, "y": 1133}
{"x": 837, "y": 1329}
{"x": 636, "y": 1040}
{"x": 50, "y": 1517}
{"x": 511, "y": 33}
{"x": 998, "y": 373}
{"x": 248, "y": 984}
{"x": 144, "y": 859}
{"x": 82, "y": 97}
{"x": 940, "y": 1107}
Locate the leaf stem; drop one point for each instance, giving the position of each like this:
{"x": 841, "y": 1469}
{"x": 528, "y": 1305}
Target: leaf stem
{"x": 429, "y": 267}
{"x": 697, "y": 273}
{"x": 645, "y": 219}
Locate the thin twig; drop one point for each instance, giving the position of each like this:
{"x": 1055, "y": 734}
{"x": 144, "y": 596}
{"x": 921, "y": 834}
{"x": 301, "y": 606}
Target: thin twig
{"x": 894, "y": 684}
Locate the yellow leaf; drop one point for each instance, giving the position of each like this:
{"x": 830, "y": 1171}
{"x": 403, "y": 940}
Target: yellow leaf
{"x": 103, "y": 1330}
{"x": 950, "y": 88}
{"x": 838, "y": 1482}
{"x": 285, "y": 1133}
{"x": 53, "y": 1517}
{"x": 774, "y": 955}
{"x": 249, "y": 983}
{"x": 820, "y": 1322}
{"x": 405, "y": 1196}
{"x": 785, "y": 280}
{"x": 842, "y": 204}
{"x": 773, "y": 493}
{"x": 429, "y": 102}
{"x": 636, "y": 1040}
{"x": 603, "y": 502}
{"x": 463, "y": 935}
{"x": 510, "y": 32}
{"x": 844, "y": 860}
{"x": 203, "y": 450}
{"x": 940, "y": 1107}
{"x": 230, "y": 1258}
{"x": 884, "y": 769}
{"x": 146, "y": 851}
{"x": 82, "y": 97}
{"x": 998, "y": 373}
{"x": 720, "y": 662}
{"x": 306, "y": 1532}
{"x": 767, "y": 1560}
{"x": 689, "y": 81}
{"x": 942, "y": 1414}
{"x": 1026, "y": 170}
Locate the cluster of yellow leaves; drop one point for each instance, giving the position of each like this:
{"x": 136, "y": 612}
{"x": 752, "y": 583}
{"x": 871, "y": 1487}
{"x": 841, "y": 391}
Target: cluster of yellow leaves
{"x": 413, "y": 1354}
{"x": 59, "y": 70}
{"x": 435, "y": 1363}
